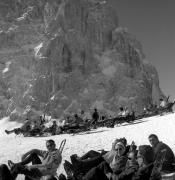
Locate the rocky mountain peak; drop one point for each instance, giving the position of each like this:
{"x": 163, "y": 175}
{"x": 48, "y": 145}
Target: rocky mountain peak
{"x": 71, "y": 56}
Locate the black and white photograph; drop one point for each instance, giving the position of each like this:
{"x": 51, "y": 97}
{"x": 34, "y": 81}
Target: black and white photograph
{"x": 87, "y": 90}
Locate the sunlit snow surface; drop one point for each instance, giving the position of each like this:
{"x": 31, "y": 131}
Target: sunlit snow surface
{"x": 12, "y": 147}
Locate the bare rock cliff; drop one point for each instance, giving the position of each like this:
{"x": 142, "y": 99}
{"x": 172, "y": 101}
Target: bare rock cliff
{"x": 71, "y": 55}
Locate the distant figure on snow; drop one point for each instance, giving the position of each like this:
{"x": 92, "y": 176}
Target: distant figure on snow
{"x": 122, "y": 112}
{"x": 95, "y": 116}
{"x": 26, "y": 127}
{"x": 163, "y": 103}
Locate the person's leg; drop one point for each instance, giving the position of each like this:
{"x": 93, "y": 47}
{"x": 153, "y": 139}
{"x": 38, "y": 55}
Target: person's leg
{"x": 10, "y": 131}
{"x": 31, "y": 158}
{"x": 104, "y": 167}
{"x": 90, "y": 154}
{"x": 34, "y": 159}
{"x": 5, "y": 173}
{"x": 50, "y": 177}
{"x": 85, "y": 165}
{"x": 21, "y": 169}
{"x": 17, "y": 167}
{"x": 95, "y": 174}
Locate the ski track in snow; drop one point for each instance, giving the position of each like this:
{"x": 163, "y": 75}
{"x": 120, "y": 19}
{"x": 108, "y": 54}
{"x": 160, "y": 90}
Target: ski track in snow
{"x": 12, "y": 147}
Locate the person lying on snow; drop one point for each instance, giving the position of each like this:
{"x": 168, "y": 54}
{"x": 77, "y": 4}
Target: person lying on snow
{"x": 47, "y": 167}
{"x": 158, "y": 148}
{"x": 26, "y": 127}
{"x": 134, "y": 168}
{"x": 92, "y": 158}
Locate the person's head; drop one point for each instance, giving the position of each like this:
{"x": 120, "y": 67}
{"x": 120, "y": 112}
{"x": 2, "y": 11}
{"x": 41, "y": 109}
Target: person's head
{"x": 133, "y": 146}
{"x": 121, "y": 109}
{"x": 123, "y": 140}
{"x": 95, "y": 109}
{"x": 145, "y": 155}
{"x": 50, "y": 144}
{"x": 153, "y": 139}
{"x": 119, "y": 148}
{"x": 161, "y": 99}
{"x": 103, "y": 117}
{"x": 132, "y": 158}
{"x": 54, "y": 122}
{"x": 75, "y": 115}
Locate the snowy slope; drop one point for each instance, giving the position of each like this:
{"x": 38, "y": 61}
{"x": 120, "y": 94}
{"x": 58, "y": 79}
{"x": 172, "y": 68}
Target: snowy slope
{"x": 12, "y": 147}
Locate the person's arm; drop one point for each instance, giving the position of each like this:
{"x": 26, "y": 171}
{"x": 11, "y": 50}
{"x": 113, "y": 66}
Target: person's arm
{"x": 118, "y": 164}
{"x": 127, "y": 173}
{"x": 37, "y": 151}
{"x": 55, "y": 160}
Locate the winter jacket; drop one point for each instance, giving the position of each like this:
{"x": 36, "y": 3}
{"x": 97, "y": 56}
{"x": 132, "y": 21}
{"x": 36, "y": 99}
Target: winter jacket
{"x": 169, "y": 157}
{"x": 147, "y": 173}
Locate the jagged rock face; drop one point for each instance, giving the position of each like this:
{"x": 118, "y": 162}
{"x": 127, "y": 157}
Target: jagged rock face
{"x": 91, "y": 62}
{"x": 74, "y": 57}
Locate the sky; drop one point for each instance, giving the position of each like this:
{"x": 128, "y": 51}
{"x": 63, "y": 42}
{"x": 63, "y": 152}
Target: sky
{"x": 152, "y": 23}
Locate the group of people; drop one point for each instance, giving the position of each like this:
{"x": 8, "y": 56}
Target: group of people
{"x": 37, "y": 126}
{"x": 122, "y": 162}
{"x": 164, "y": 106}
{"x": 79, "y": 122}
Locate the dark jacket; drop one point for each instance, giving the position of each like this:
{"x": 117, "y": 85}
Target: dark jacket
{"x": 95, "y": 116}
{"x": 118, "y": 164}
{"x": 147, "y": 173}
{"x": 128, "y": 173}
{"x": 169, "y": 157}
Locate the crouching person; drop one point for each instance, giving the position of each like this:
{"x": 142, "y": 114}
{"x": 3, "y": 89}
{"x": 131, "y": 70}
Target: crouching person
{"x": 47, "y": 167}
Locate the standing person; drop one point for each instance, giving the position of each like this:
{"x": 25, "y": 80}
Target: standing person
{"x": 158, "y": 148}
{"x": 47, "y": 167}
{"x": 95, "y": 116}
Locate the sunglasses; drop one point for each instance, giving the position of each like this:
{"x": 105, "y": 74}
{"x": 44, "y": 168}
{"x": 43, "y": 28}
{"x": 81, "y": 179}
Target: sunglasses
{"x": 49, "y": 145}
{"x": 129, "y": 158}
{"x": 119, "y": 149}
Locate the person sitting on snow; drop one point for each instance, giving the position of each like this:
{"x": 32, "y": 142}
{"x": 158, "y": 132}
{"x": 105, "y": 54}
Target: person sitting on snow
{"x": 147, "y": 170}
{"x": 36, "y": 129}
{"x": 47, "y": 167}
{"x": 77, "y": 119}
{"x": 26, "y": 127}
{"x": 54, "y": 129}
{"x": 123, "y": 112}
{"x": 158, "y": 148}
{"x": 92, "y": 158}
{"x": 163, "y": 103}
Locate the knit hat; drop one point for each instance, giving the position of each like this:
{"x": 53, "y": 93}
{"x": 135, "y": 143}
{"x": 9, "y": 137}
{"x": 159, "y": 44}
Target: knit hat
{"x": 147, "y": 152}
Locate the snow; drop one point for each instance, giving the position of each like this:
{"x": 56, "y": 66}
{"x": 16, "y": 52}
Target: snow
{"x": 12, "y": 147}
